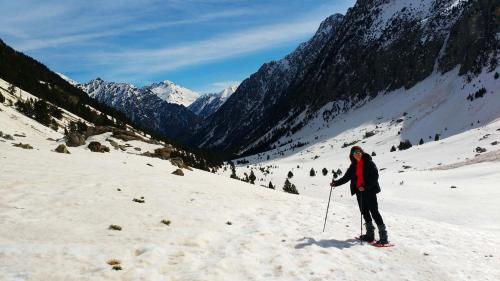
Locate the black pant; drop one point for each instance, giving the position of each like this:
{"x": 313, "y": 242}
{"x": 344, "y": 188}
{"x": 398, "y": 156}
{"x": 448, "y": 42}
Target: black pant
{"x": 369, "y": 206}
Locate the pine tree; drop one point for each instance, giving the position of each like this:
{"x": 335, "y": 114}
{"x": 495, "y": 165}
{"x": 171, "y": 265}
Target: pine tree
{"x": 290, "y": 188}
{"x": 290, "y": 174}
{"x": 404, "y": 145}
{"x": 312, "y": 173}
{"x": 421, "y": 142}
{"x": 374, "y": 154}
{"x": 233, "y": 172}
{"x": 252, "y": 177}
{"x": 393, "y": 148}
{"x": 436, "y": 137}
{"x": 271, "y": 186}
{"x": 41, "y": 112}
{"x": 324, "y": 171}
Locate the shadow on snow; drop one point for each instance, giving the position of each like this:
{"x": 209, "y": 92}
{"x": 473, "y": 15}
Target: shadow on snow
{"x": 332, "y": 243}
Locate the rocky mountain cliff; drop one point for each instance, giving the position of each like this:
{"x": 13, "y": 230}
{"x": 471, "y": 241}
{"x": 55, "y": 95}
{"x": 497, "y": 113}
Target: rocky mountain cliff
{"x": 208, "y": 104}
{"x": 378, "y": 46}
{"x": 151, "y": 107}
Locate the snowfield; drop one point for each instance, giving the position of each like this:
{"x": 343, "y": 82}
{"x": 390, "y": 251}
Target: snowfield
{"x": 56, "y": 209}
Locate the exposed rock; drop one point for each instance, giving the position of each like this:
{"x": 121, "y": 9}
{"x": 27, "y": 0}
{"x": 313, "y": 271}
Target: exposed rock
{"x": 178, "y": 172}
{"x": 113, "y": 143}
{"x": 96, "y": 146}
{"x": 137, "y": 148}
{"x": 480, "y": 149}
{"x": 148, "y": 154}
{"x": 115, "y": 227}
{"x": 8, "y": 137}
{"x": 75, "y": 139}
{"x": 23, "y": 145}
{"x": 62, "y": 149}
{"x": 97, "y": 130}
{"x": 126, "y": 135}
{"x": 163, "y": 153}
{"x": 177, "y": 161}
{"x": 139, "y": 200}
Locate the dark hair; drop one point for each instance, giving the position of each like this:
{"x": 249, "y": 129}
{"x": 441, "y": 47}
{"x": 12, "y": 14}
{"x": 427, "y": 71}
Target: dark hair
{"x": 355, "y": 148}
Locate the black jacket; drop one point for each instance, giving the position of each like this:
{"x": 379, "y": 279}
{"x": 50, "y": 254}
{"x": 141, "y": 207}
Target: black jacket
{"x": 370, "y": 174}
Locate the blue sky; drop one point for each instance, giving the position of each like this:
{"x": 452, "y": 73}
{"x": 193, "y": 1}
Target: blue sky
{"x": 203, "y": 45}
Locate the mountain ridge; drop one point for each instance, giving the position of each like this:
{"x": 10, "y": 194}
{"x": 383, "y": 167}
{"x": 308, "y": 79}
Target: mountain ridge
{"x": 144, "y": 106}
{"x": 369, "y": 52}
{"x": 209, "y": 103}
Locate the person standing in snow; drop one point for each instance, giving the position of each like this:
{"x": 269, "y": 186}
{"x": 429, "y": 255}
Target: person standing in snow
{"x": 363, "y": 175}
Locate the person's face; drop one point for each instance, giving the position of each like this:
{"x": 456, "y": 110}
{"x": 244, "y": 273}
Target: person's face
{"x": 357, "y": 155}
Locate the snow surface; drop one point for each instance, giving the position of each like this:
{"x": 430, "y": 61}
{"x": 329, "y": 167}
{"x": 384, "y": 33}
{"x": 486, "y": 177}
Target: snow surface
{"x": 172, "y": 93}
{"x": 69, "y": 80}
{"x": 55, "y": 209}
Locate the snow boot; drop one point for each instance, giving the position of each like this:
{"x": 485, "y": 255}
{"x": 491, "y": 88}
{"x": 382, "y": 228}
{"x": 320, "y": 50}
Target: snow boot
{"x": 370, "y": 233}
{"x": 383, "y": 235}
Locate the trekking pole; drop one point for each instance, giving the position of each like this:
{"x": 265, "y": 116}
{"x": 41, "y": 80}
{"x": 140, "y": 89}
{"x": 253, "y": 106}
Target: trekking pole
{"x": 327, "y": 207}
{"x": 361, "y": 217}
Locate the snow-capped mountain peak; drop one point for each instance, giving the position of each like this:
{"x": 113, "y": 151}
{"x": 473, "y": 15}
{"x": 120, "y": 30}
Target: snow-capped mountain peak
{"x": 172, "y": 93}
{"x": 224, "y": 94}
{"x": 208, "y": 104}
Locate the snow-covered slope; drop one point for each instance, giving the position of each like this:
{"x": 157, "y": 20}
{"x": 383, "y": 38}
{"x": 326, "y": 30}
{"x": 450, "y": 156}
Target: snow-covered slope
{"x": 208, "y": 104}
{"x": 438, "y": 106}
{"x": 56, "y": 210}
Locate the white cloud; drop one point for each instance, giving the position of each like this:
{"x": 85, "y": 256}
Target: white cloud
{"x": 216, "y": 87}
{"x": 150, "y": 61}
{"x": 99, "y": 28}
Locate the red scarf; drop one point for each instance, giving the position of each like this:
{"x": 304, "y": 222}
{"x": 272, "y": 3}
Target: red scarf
{"x": 359, "y": 174}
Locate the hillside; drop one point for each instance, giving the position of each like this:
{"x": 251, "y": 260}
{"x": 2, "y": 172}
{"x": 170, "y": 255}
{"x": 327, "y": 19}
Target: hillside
{"x": 56, "y": 216}
{"x": 376, "y": 48}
